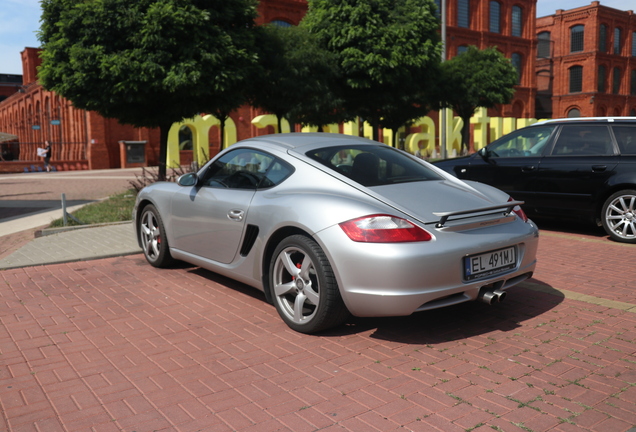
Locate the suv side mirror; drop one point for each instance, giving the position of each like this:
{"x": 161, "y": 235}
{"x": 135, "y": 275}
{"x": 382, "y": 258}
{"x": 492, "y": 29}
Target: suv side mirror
{"x": 484, "y": 153}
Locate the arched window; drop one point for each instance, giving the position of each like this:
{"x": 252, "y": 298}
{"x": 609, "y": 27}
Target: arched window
{"x": 574, "y": 112}
{"x": 543, "y": 47}
{"x": 632, "y": 85}
{"x": 576, "y": 79}
{"x": 602, "y": 78}
{"x": 495, "y": 17}
{"x": 602, "y": 38}
{"x": 461, "y": 49}
{"x": 280, "y": 23}
{"x": 185, "y": 138}
{"x": 634, "y": 44}
{"x": 616, "y": 80}
{"x": 517, "y": 21}
{"x": 577, "y": 34}
{"x": 516, "y": 63}
{"x": 617, "y": 40}
{"x": 463, "y": 13}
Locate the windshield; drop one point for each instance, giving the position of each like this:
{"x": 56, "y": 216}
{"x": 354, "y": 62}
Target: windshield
{"x": 373, "y": 165}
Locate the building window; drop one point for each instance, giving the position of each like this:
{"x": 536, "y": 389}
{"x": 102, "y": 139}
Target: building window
{"x": 516, "y": 63}
{"x": 438, "y": 12}
{"x": 617, "y": 41}
{"x": 543, "y": 47}
{"x": 543, "y": 81}
{"x": 602, "y": 72}
{"x": 616, "y": 80}
{"x": 574, "y": 112}
{"x": 517, "y": 21}
{"x": 461, "y": 49}
{"x": 602, "y": 39}
{"x": 576, "y": 79}
{"x": 280, "y": 23}
{"x": 634, "y": 44}
{"x": 576, "y": 38}
{"x": 495, "y": 17}
{"x": 463, "y": 13}
{"x": 632, "y": 86}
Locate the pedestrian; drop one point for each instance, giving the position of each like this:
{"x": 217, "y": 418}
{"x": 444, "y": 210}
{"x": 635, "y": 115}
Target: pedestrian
{"x": 47, "y": 155}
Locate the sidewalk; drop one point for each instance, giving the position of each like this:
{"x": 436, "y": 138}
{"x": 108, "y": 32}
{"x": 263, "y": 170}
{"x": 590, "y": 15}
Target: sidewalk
{"x": 79, "y": 244}
{"x": 118, "y": 345}
{"x": 29, "y": 202}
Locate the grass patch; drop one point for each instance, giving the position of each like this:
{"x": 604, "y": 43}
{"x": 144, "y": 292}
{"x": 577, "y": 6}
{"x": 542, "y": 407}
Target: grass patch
{"x": 117, "y": 208}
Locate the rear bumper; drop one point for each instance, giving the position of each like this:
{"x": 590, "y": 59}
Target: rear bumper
{"x": 400, "y": 279}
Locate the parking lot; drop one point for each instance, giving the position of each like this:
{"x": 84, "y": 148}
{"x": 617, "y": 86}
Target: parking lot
{"x": 117, "y": 345}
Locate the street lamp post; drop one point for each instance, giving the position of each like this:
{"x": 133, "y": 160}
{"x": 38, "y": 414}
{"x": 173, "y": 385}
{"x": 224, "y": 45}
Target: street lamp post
{"x": 442, "y": 134}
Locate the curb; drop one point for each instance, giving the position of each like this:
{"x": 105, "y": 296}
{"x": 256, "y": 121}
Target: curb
{"x": 50, "y": 231}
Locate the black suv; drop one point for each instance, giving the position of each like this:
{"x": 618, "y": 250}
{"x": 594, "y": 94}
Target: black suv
{"x": 579, "y": 168}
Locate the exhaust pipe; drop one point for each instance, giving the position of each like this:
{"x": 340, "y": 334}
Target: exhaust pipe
{"x": 501, "y": 295}
{"x": 492, "y": 297}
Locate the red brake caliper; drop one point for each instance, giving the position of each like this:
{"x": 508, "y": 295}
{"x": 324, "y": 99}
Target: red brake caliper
{"x": 297, "y": 266}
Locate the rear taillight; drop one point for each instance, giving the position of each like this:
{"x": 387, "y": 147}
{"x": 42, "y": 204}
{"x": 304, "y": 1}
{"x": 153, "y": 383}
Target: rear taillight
{"x": 383, "y": 229}
{"x": 519, "y": 211}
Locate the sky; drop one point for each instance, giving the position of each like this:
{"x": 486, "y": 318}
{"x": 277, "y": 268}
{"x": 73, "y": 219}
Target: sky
{"x": 20, "y": 21}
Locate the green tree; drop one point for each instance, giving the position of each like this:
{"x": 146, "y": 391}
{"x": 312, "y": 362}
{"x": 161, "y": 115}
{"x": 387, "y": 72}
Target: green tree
{"x": 386, "y": 51}
{"x": 148, "y": 63}
{"x": 296, "y": 77}
{"x": 477, "y": 78}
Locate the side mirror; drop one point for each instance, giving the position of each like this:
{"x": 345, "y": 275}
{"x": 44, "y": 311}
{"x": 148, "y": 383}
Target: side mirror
{"x": 189, "y": 179}
{"x": 484, "y": 153}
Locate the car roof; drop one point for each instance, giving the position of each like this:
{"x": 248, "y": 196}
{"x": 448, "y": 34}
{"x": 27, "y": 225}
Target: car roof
{"x": 310, "y": 140}
{"x": 588, "y": 119}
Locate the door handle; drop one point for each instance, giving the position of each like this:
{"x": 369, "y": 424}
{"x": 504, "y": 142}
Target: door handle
{"x": 528, "y": 168}
{"x": 236, "y": 215}
{"x": 599, "y": 168}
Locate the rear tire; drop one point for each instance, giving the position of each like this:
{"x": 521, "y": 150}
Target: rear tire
{"x": 153, "y": 238}
{"x": 304, "y": 288}
{"x": 619, "y": 216}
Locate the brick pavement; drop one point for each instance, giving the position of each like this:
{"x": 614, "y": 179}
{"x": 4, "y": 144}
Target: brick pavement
{"x": 117, "y": 345}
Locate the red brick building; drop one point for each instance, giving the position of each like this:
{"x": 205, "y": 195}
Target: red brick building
{"x": 586, "y": 62}
{"x": 510, "y": 26}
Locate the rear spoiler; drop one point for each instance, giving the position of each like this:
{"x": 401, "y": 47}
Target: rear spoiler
{"x": 444, "y": 216}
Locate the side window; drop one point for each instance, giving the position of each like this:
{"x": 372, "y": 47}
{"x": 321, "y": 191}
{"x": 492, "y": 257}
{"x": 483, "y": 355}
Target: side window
{"x": 626, "y": 138}
{"x": 246, "y": 169}
{"x": 523, "y": 143}
{"x": 583, "y": 140}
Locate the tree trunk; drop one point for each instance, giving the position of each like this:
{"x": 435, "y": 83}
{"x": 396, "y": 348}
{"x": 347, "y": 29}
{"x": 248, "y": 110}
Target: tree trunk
{"x": 163, "y": 150}
{"x": 222, "y": 128}
{"x": 465, "y": 134}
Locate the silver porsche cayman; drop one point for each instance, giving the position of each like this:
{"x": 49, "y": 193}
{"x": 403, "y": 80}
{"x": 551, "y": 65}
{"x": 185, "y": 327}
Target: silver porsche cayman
{"x": 329, "y": 225}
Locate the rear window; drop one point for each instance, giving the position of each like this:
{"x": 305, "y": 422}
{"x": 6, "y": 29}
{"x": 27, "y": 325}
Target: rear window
{"x": 626, "y": 138}
{"x": 373, "y": 165}
{"x": 583, "y": 140}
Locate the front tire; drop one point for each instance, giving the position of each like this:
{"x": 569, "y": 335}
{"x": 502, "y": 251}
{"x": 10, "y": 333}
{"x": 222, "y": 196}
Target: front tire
{"x": 153, "y": 238}
{"x": 304, "y": 288}
{"x": 619, "y": 216}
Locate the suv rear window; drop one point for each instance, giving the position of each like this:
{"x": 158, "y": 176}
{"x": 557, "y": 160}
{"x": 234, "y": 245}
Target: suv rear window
{"x": 626, "y": 138}
{"x": 373, "y": 165}
{"x": 583, "y": 140}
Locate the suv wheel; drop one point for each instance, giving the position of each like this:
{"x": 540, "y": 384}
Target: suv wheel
{"x": 619, "y": 216}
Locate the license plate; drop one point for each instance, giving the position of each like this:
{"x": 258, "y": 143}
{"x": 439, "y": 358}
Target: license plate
{"x": 490, "y": 263}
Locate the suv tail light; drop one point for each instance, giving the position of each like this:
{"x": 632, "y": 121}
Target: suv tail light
{"x": 382, "y": 228}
